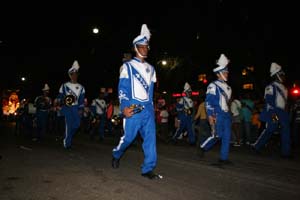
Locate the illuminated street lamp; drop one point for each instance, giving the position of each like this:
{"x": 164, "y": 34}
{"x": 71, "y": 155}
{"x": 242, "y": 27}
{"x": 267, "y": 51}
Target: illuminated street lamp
{"x": 95, "y": 40}
{"x": 164, "y": 62}
{"x": 23, "y": 79}
{"x": 95, "y": 30}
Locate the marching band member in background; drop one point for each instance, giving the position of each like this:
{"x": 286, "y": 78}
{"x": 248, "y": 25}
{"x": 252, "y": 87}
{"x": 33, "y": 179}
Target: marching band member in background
{"x": 98, "y": 108}
{"x": 72, "y": 95}
{"x": 275, "y": 113}
{"x": 217, "y": 99}
{"x": 185, "y": 111}
{"x": 43, "y": 105}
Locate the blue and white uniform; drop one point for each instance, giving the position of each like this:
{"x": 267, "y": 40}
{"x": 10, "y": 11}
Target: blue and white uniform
{"x": 217, "y": 99}
{"x": 71, "y": 112}
{"x": 43, "y": 104}
{"x": 276, "y": 95}
{"x": 217, "y": 95}
{"x": 99, "y": 110}
{"x": 136, "y": 85}
{"x": 185, "y": 110}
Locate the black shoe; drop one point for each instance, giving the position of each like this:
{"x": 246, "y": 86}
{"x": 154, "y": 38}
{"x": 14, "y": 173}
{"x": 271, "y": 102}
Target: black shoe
{"x": 100, "y": 140}
{"x": 221, "y": 163}
{"x": 200, "y": 152}
{"x": 68, "y": 148}
{"x": 288, "y": 157}
{"x": 254, "y": 150}
{"x": 225, "y": 162}
{"x": 192, "y": 144}
{"x": 91, "y": 138}
{"x": 115, "y": 163}
{"x": 217, "y": 164}
{"x": 171, "y": 141}
{"x": 152, "y": 175}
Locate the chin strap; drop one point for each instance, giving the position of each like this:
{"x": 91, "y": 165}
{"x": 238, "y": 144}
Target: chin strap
{"x": 139, "y": 52}
{"x": 223, "y": 77}
{"x": 279, "y": 78}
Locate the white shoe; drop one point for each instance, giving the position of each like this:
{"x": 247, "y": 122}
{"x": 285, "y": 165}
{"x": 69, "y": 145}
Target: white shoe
{"x": 180, "y": 137}
{"x": 185, "y": 133}
{"x": 236, "y": 144}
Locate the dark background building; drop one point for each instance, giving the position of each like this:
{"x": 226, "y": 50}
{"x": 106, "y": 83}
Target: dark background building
{"x": 42, "y": 46}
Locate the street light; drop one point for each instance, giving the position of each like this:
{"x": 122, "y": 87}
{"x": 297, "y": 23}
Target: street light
{"x": 95, "y": 30}
{"x": 95, "y": 40}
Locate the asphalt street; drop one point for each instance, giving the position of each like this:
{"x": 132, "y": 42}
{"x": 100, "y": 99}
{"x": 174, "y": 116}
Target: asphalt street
{"x": 44, "y": 170}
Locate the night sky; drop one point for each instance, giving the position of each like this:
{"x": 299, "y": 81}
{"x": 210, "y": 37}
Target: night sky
{"x": 43, "y": 45}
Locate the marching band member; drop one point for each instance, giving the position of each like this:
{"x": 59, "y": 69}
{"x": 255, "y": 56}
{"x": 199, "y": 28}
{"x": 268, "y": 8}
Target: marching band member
{"x": 43, "y": 105}
{"x": 275, "y": 114}
{"x": 72, "y": 95}
{"x": 185, "y": 110}
{"x": 136, "y": 85}
{"x": 98, "y": 108}
{"x": 217, "y": 99}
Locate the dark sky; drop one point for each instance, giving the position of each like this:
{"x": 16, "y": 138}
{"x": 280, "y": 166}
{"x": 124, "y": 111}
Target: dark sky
{"x": 42, "y": 45}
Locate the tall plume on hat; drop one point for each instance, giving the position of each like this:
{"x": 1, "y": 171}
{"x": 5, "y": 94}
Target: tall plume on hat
{"x": 187, "y": 87}
{"x": 145, "y": 32}
{"x": 274, "y": 68}
{"x": 144, "y": 37}
{"x": 46, "y": 87}
{"x": 75, "y": 67}
{"x": 222, "y": 62}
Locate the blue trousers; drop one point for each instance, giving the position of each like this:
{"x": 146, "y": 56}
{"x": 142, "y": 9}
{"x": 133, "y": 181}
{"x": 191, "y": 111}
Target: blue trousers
{"x": 284, "y": 135}
{"x": 144, "y": 124}
{"x": 41, "y": 122}
{"x": 223, "y": 130}
{"x": 186, "y": 123}
{"x": 72, "y": 124}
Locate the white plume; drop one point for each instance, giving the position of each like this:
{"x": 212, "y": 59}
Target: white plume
{"x": 75, "y": 65}
{"x": 145, "y": 32}
{"x": 223, "y": 61}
